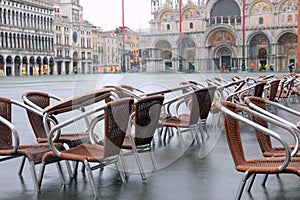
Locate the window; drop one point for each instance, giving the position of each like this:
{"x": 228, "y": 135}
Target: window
{"x": 261, "y": 20}
{"x": 168, "y": 26}
{"x": 289, "y": 18}
{"x": 191, "y": 25}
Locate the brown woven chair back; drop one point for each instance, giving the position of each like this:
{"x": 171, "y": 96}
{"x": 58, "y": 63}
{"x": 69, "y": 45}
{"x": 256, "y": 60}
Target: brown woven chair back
{"x": 42, "y": 100}
{"x": 205, "y": 106}
{"x": 263, "y": 139}
{"x": 259, "y": 89}
{"x": 6, "y": 134}
{"x": 116, "y": 123}
{"x": 233, "y": 134}
{"x": 274, "y": 84}
{"x": 147, "y": 115}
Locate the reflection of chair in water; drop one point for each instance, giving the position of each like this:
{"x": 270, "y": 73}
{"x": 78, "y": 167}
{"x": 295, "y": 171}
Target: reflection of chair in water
{"x": 116, "y": 116}
{"x": 253, "y": 166}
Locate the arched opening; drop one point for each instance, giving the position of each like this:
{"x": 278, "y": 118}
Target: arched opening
{"x": 51, "y": 65}
{"x": 75, "y": 62}
{"x": 24, "y": 66}
{"x": 17, "y": 63}
{"x": 37, "y": 69}
{"x": 8, "y": 65}
{"x": 31, "y": 65}
{"x": 45, "y": 65}
{"x": 2, "y": 66}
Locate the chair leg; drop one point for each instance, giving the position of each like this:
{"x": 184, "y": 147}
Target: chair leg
{"x": 75, "y": 169}
{"x": 60, "y": 172}
{"x": 251, "y": 183}
{"x": 138, "y": 161}
{"x": 265, "y": 180}
{"x": 34, "y": 177}
{"x": 69, "y": 169}
{"x": 91, "y": 177}
{"x": 41, "y": 175}
{"x": 180, "y": 136}
{"x": 124, "y": 164}
{"x": 121, "y": 170}
{"x": 82, "y": 168}
{"x": 153, "y": 158}
{"x": 22, "y": 165}
{"x": 195, "y": 133}
{"x": 242, "y": 185}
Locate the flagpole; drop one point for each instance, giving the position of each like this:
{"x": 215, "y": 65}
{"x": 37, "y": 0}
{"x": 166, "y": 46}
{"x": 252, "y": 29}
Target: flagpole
{"x": 123, "y": 39}
{"x": 180, "y": 36}
{"x": 297, "y": 70}
{"x": 180, "y": 20}
{"x": 243, "y": 34}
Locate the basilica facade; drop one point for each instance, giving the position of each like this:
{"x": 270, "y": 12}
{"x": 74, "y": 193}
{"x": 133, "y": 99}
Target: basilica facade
{"x": 220, "y": 35}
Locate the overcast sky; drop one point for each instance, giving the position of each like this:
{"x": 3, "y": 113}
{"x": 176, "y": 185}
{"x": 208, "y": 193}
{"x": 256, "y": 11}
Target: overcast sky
{"x": 108, "y": 13}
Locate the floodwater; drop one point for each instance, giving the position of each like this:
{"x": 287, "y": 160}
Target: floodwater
{"x": 180, "y": 174}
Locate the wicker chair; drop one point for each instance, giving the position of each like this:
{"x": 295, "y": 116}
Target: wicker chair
{"x": 145, "y": 120}
{"x": 188, "y": 121}
{"x": 116, "y": 115}
{"x": 260, "y": 105}
{"x": 261, "y": 165}
{"x": 272, "y": 89}
{"x": 285, "y": 89}
{"x": 39, "y": 101}
{"x": 10, "y": 140}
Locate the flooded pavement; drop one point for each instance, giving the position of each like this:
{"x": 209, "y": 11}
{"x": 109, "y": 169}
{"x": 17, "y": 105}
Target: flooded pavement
{"x": 180, "y": 174}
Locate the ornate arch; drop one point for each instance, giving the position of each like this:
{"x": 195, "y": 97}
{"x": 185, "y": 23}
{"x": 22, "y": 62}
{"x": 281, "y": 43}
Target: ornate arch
{"x": 220, "y": 37}
{"x": 261, "y": 7}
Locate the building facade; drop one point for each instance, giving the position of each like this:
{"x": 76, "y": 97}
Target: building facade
{"x": 26, "y": 37}
{"x": 73, "y": 41}
{"x": 220, "y": 35}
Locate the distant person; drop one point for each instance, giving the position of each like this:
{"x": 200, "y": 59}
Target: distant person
{"x": 291, "y": 67}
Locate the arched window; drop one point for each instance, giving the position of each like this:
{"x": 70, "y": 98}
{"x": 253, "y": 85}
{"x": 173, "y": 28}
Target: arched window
{"x": 8, "y": 17}
{"x": 5, "y": 41}
{"x": 24, "y": 20}
{"x": 261, "y": 20}
{"x": 21, "y": 19}
{"x": 33, "y": 42}
{"x": 191, "y": 25}
{"x": 31, "y": 21}
{"x": 28, "y": 20}
{"x": 14, "y": 42}
{"x": 29, "y": 39}
{"x": 4, "y": 16}
{"x": 10, "y": 41}
{"x": 17, "y": 18}
{"x": 34, "y": 21}
{"x": 168, "y": 26}
{"x": 1, "y": 39}
{"x": 13, "y": 17}
{"x": 22, "y": 42}
{"x": 262, "y": 54}
{"x": 18, "y": 41}
{"x": 1, "y": 16}
{"x": 289, "y": 19}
